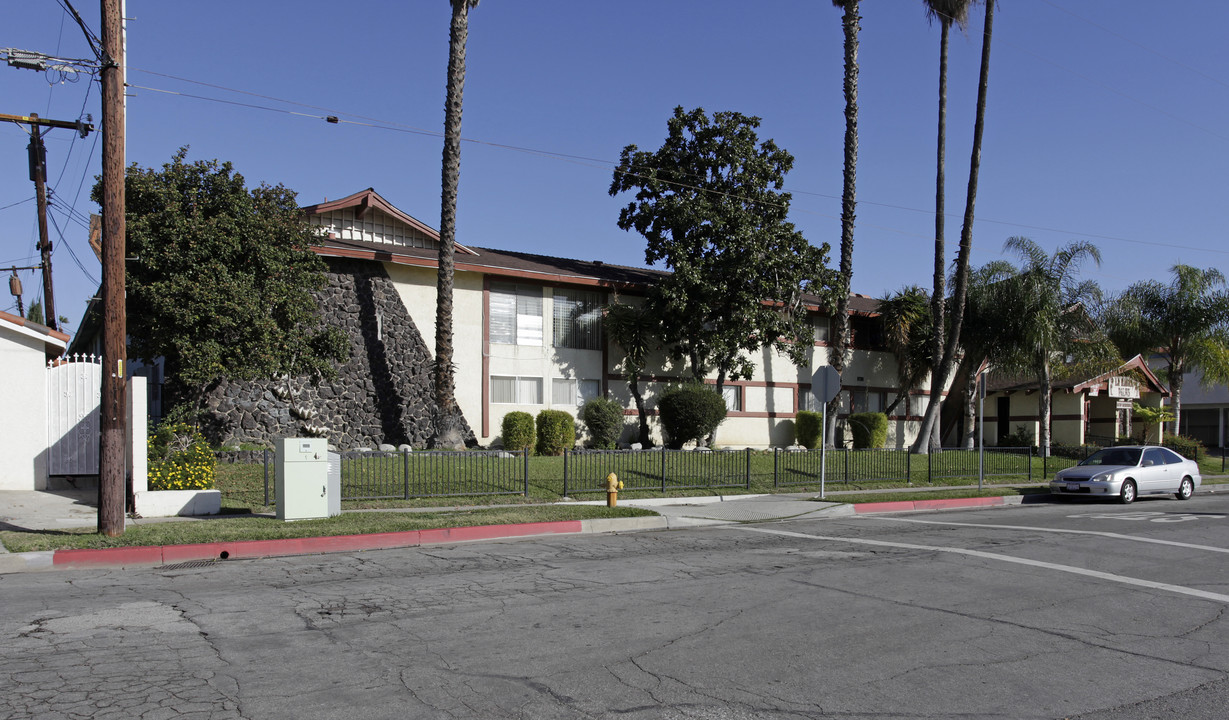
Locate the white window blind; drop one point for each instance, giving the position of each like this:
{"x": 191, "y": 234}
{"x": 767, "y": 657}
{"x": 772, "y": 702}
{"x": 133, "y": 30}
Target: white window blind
{"x": 516, "y": 390}
{"x": 516, "y": 314}
{"x": 733, "y": 398}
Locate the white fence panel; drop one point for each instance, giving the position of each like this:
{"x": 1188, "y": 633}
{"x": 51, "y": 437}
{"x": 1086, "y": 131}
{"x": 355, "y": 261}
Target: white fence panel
{"x": 73, "y": 391}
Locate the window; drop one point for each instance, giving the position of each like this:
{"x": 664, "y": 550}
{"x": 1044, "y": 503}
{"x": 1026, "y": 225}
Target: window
{"x": 822, "y": 328}
{"x": 867, "y": 400}
{"x": 516, "y": 390}
{"x": 578, "y": 319}
{"x": 565, "y": 391}
{"x": 516, "y": 314}
{"x": 733, "y": 396}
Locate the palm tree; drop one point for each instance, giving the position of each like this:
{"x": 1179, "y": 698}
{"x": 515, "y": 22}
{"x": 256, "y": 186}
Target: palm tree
{"x": 947, "y": 12}
{"x": 1042, "y": 317}
{"x": 939, "y": 379}
{"x": 447, "y": 430}
{"x": 982, "y": 332}
{"x": 840, "y": 333}
{"x": 1186, "y": 322}
{"x": 907, "y": 333}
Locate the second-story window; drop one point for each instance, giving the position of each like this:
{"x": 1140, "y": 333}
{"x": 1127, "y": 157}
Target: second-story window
{"x": 516, "y": 314}
{"x": 578, "y": 319}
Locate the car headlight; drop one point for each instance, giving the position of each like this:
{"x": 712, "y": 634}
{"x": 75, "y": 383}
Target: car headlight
{"x": 1103, "y": 477}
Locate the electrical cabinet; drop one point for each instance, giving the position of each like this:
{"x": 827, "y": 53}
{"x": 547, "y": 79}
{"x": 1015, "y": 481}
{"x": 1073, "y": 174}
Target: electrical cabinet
{"x": 305, "y": 487}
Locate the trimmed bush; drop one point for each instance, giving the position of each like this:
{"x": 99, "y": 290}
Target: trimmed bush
{"x": 1187, "y": 447}
{"x": 604, "y": 418}
{"x": 556, "y": 432}
{"x": 180, "y": 459}
{"x": 869, "y": 429}
{"x": 690, "y": 412}
{"x": 809, "y": 426}
{"x": 518, "y": 432}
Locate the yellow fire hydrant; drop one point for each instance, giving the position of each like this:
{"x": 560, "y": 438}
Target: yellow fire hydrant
{"x": 613, "y": 486}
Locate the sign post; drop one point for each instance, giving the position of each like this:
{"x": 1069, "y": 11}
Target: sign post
{"x": 825, "y": 384}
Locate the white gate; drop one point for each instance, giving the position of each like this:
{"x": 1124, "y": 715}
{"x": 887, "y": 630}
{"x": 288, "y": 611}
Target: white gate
{"x": 74, "y": 386}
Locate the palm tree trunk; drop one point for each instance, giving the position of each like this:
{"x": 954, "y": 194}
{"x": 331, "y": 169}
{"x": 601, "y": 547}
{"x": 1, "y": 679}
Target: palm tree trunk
{"x": 633, "y": 384}
{"x": 447, "y": 421}
{"x": 966, "y": 245}
{"x": 838, "y": 352}
{"x": 938, "y": 298}
{"x": 1175, "y": 387}
{"x": 1044, "y": 409}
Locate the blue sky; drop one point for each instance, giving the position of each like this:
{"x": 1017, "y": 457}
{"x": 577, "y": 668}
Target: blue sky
{"x": 1107, "y": 120}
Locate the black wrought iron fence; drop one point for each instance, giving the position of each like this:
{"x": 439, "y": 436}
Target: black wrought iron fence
{"x": 658, "y": 469}
{"x": 963, "y": 463}
{"x": 377, "y": 475}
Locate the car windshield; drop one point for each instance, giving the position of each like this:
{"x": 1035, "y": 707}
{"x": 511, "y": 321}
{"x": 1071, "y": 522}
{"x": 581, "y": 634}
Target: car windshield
{"x": 1114, "y": 456}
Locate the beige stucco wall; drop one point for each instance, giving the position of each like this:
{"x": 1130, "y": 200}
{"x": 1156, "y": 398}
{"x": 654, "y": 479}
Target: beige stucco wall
{"x": 23, "y": 409}
{"x": 416, "y": 286}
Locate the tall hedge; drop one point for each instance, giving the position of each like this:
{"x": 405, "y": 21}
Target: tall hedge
{"x": 556, "y": 432}
{"x": 604, "y": 418}
{"x": 518, "y": 432}
{"x": 690, "y": 412}
{"x": 870, "y": 429}
{"x": 808, "y": 426}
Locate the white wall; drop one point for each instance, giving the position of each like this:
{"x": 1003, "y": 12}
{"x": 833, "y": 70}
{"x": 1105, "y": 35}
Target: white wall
{"x": 23, "y": 411}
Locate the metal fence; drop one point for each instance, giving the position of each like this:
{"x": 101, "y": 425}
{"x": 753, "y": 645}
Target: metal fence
{"x": 656, "y": 469}
{"x": 377, "y": 475}
{"x": 367, "y": 475}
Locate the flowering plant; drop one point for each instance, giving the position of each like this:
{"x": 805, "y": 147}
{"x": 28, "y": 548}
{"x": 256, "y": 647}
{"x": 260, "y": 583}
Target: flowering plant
{"x": 186, "y": 463}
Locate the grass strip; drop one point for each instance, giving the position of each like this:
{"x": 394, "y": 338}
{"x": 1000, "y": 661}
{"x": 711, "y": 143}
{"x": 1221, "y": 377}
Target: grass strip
{"x": 230, "y": 529}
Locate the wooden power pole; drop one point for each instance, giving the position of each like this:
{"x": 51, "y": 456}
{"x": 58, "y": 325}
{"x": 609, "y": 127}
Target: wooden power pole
{"x": 113, "y": 407}
{"x": 38, "y": 173}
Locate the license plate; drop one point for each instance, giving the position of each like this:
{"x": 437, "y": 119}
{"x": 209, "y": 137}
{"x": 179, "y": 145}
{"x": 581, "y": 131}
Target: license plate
{"x": 1073, "y": 487}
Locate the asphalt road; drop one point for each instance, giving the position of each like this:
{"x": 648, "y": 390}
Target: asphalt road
{"x": 1036, "y": 611}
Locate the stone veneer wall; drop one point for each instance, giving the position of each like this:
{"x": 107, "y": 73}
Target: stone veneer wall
{"x": 382, "y": 395}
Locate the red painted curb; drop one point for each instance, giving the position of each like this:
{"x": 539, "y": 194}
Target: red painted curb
{"x": 945, "y": 504}
{"x": 108, "y": 557}
{"x": 169, "y": 554}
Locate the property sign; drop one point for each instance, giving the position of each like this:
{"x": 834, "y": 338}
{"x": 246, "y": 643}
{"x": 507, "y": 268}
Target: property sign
{"x": 1123, "y": 387}
{"x": 1125, "y": 404}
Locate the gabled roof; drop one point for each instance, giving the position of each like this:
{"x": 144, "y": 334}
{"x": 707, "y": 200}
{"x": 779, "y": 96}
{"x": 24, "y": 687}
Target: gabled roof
{"x": 1078, "y": 385}
{"x": 364, "y": 200}
{"x": 54, "y": 340}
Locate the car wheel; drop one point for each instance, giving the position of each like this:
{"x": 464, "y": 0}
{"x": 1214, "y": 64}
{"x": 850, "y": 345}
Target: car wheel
{"x": 1127, "y": 494}
{"x": 1186, "y": 489}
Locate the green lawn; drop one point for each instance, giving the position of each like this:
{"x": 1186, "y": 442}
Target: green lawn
{"x": 230, "y": 529}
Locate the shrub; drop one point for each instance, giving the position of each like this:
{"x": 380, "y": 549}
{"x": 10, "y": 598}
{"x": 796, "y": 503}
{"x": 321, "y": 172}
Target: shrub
{"x": 809, "y": 426}
{"x": 690, "y": 412}
{"x": 1022, "y": 437}
{"x": 517, "y": 430}
{"x": 869, "y": 429}
{"x": 180, "y": 459}
{"x": 556, "y": 432}
{"x": 1187, "y": 447}
{"x": 604, "y": 418}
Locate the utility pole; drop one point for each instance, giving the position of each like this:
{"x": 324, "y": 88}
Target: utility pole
{"x": 38, "y": 174}
{"x": 113, "y": 406}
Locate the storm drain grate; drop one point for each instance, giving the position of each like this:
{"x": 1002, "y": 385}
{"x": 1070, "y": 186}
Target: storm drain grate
{"x": 190, "y": 564}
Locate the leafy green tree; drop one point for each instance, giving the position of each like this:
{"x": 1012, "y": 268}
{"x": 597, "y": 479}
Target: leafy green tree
{"x": 35, "y": 312}
{"x": 838, "y": 351}
{"x": 709, "y": 203}
{"x": 447, "y": 421}
{"x": 220, "y": 280}
{"x": 1185, "y": 322}
{"x": 636, "y": 331}
{"x": 942, "y": 375}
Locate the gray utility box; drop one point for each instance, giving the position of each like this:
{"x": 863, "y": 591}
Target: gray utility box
{"x": 305, "y": 486}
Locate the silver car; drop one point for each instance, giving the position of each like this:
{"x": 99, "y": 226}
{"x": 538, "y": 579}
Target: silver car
{"x": 1128, "y": 472}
